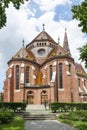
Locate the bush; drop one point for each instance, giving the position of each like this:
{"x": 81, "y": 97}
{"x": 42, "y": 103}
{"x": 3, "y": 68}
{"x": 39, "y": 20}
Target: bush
{"x": 15, "y": 106}
{"x": 66, "y": 107}
{"x": 6, "y": 115}
{"x": 75, "y": 116}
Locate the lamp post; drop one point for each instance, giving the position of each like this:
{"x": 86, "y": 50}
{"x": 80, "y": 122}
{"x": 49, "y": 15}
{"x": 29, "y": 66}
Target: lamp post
{"x": 24, "y": 93}
{"x": 56, "y": 92}
{"x": 1, "y": 98}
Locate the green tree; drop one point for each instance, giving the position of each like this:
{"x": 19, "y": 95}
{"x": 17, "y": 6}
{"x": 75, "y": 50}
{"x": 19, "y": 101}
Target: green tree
{"x": 5, "y": 4}
{"x": 80, "y": 13}
{"x": 83, "y": 54}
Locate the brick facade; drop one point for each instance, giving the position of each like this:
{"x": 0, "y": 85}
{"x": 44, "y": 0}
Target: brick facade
{"x": 67, "y": 84}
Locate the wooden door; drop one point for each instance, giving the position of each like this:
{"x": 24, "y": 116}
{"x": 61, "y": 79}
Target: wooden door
{"x": 30, "y": 99}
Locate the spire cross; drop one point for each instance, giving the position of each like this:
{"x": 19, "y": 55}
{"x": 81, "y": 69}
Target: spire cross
{"x": 58, "y": 39}
{"x": 23, "y": 42}
{"x": 43, "y": 27}
{"x": 65, "y": 29}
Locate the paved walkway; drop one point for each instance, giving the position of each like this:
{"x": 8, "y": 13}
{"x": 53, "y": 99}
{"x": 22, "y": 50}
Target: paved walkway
{"x": 43, "y": 124}
{"x": 46, "y": 125}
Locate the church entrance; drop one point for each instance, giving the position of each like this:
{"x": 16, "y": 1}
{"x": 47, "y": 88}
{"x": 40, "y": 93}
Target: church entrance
{"x": 44, "y": 97}
{"x": 30, "y": 97}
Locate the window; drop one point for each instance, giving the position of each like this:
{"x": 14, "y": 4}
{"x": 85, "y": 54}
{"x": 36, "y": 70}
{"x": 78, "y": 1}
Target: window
{"x": 51, "y": 72}
{"x": 78, "y": 82}
{"x": 27, "y": 74}
{"x": 70, "y": 68}
{"x": 41, "y": 52}
{"x": 84, "y": 82}
{"x": 60, "y": 76}
{"x": 17, "y": 77}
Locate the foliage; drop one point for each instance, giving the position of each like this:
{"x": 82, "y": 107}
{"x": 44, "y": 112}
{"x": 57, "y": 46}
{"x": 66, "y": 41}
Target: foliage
{"x": 83, "y": 54}
{"x": 78, "y": 119}
{"x": 16, "y": 124}
{"x": 5, "y": 4}
{"x": 15, "y": 106}
{"x": 80, "y": 13}
{"x": 6, "y": 115}
{"x": 65, "y": 107}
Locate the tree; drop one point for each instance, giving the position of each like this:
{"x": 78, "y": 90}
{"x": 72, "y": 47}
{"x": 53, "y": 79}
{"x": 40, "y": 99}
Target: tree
{"x": 80, "y": 13}
{"x": 83, "y": 54}
{"x": 5, "y": 4}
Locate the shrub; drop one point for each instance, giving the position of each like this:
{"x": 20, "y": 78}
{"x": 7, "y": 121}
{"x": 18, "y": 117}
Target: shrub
{"x": 65, "y": 107}
{"x": 15, "y": 106}
{"x": 6, "y": 115}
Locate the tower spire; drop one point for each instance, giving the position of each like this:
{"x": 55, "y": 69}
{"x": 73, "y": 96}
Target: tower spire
{"x": 65, "y": 43}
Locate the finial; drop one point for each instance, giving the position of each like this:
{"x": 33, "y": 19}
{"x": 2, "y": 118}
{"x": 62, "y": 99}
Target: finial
{"x": 23, "y": 42}
{"x": 43, "y": 27}
{"x": 65, "y": 29}
{"x": 58, "y": 40}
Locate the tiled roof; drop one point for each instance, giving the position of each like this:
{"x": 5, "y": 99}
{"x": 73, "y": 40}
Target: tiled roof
{"x": 79, "y": 68}
{"x": 43, "y": 36}
{"x": 24, "y": 53}
{"x": 58, "y": 50}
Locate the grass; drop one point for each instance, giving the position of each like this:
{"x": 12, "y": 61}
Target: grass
{"x": 16, "y": 124}
{"x": 77, "y": 119}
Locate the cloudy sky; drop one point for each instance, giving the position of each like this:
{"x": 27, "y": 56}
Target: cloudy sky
{"x": 27, "y": 22}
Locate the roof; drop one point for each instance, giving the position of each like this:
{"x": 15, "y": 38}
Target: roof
{"x": 58, "y": 50}
{"x": 65, "y": 43}
{"x": 43, "y": 36}
{"x": 79, "y": 68}
{"x": 24, "y": 53}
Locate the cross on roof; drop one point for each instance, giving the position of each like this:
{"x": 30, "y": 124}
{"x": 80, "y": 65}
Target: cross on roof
{"x": 23, "y": 42}
{"x": 43, "y": 27}
{"x": 58, "y": 39}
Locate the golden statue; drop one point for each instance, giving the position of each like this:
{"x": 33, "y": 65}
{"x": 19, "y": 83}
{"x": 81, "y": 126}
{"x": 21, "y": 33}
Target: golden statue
{"x": 39, "y": 78}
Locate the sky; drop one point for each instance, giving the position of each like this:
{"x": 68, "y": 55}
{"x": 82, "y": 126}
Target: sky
{"x": 27, "y": 22}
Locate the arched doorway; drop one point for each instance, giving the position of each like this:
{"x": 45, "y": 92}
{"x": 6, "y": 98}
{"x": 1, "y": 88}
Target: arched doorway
{"x": 30, "y": 97}
{"x": 44, "y": 97}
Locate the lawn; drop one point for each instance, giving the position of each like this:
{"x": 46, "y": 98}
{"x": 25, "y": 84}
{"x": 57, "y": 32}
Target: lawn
{"x": 16, "y": 124}
{"x": 77, "y": 119}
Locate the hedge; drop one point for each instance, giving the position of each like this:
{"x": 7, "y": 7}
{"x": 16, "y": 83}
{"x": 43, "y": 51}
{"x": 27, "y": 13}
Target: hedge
{"x": 15, "y": 106}
{"x": 64, "y": 107}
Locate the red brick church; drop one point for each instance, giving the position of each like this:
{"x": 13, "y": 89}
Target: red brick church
{"x": 45, "y": 71}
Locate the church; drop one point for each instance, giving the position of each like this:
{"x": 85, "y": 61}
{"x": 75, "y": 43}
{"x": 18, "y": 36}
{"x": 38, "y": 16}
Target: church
{"x": 44, "y": 71}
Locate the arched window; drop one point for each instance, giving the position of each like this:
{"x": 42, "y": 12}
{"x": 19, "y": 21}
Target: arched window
{"x": 17, "y": 77}
{"x": 60, "y": 76}
{"x": 79, "y": 82}
{"x": 70, "y": 68}
{"x": 51, "y": 72}
{"x": 84, "y": 82}
{"x": 27, "y": 74}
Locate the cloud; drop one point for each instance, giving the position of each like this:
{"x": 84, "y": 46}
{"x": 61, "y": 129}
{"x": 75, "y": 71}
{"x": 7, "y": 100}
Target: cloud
{"x": 49, "y": 5}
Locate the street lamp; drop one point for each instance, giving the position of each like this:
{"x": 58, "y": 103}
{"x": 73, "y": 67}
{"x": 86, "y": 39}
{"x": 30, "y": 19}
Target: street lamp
{"x": 1, "y": 97}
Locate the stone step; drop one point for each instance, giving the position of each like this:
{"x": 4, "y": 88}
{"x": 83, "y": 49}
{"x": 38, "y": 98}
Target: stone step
{"x": 39, "y": 116}
{"x": 36, "y": 107}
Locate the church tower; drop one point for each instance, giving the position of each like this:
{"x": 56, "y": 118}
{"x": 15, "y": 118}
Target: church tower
{"x": 41, "y": 46}
{"x": 65, "y": 43}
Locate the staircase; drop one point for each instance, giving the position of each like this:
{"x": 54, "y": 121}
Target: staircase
{"x": 40, "y": 116}
{"x": 38, "y": 112}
